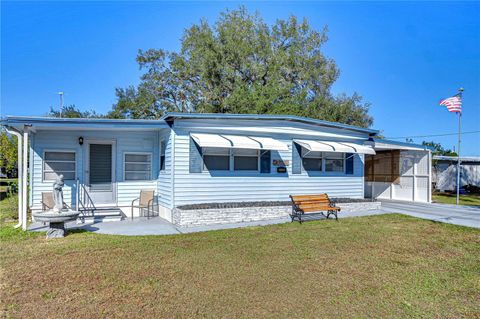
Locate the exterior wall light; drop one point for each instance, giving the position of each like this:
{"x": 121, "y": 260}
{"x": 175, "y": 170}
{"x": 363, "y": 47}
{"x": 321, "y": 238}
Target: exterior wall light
{"x": 80, "y": 140}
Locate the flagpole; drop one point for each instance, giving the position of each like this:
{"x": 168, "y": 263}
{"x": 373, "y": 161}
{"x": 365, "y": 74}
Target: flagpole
{"x": 458, "y": 149}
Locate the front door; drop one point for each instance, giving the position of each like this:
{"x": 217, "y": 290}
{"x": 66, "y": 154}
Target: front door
{"x": 100, "y": 173}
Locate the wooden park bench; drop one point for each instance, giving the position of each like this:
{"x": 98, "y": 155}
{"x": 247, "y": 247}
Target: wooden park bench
{"x": 319, "y": 203}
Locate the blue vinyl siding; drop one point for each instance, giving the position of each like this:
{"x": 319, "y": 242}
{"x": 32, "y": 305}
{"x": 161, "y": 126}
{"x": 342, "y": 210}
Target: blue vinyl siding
{"x": 125, "y": 141}
{"x": 177, "y": 186}
{"x": 238, "y": 186}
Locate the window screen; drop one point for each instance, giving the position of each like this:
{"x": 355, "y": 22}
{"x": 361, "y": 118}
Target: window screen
{"x": 245, "y": 160}
{"x": 216, "y": 158}
{"x": 59, "y": 163}
{"x": 334, "y": 162}
{"x": 312, "y": 161}
{"x": 138, "y": 166}
{"x": 383, "y": 167}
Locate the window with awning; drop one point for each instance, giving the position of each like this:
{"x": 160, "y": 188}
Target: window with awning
{"x": 326, "y": 156}
{"x": 224, "y": 152}
{"x": 335, "y": 147}
{"x": 238, "y": 141}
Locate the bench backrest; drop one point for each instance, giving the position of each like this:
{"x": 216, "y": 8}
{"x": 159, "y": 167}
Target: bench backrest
{"x": 311, "y": 203}
{"x": 303, "y": 199}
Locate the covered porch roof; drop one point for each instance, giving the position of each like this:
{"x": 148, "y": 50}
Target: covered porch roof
{"x": 54, "y": 123}
{"x": 385, "y": 145}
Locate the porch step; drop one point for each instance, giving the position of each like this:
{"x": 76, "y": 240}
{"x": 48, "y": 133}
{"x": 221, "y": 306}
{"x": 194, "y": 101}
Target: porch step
{"x": 103, "y": 214}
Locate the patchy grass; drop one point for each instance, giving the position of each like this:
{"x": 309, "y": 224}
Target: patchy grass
{"x": 445, "y": 198}
{"x": 9, "y": 209}
{"x": 379, "y": 266}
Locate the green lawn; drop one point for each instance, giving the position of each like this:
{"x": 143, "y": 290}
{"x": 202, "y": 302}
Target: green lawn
{"x": 379, "y": 266}
{"x": 8, "y": 209}
{"x": 8, "y": 179}
{"x": 452, "y": 199}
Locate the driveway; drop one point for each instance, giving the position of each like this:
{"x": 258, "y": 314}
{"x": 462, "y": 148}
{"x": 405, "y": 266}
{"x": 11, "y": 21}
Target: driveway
{"x": 452, "y": 214}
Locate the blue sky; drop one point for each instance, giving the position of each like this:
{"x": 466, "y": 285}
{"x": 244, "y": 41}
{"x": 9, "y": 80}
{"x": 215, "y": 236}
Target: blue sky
{"x": 402, "y": 57}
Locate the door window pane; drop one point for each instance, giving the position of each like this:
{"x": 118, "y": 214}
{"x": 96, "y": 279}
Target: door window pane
{"x": 100, "y": 164}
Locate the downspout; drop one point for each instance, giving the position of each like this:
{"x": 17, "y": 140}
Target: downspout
{"x": 20, "y": 173}
{"x": 172, "y": 181}
{"x": 25, "y": 177}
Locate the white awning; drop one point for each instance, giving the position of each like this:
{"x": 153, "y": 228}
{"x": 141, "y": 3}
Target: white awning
{"x": 238, "y": 141}
{"x": 361, "y": 148}
{"x": 210, "y": 140}
{"x": 269, "y": 143}
{"x": 339, "y": 147}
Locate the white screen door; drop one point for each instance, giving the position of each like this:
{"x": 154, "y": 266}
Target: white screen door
{"x": 100, "y": 173}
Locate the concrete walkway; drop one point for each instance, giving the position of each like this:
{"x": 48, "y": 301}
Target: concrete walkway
{"x": 159, "y": 226}
{"x": 451, "y": 214}
{"x": 459, "y": 215}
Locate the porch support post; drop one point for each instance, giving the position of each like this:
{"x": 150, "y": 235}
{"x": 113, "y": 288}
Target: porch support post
{"x": 19, "y": 174}
{"x": 25, "y": 178}
{"x": 429, "y": 189}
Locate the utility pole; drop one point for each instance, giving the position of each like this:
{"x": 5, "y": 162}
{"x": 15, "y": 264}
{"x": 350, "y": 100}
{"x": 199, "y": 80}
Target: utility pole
{"x": 61, "y": 102}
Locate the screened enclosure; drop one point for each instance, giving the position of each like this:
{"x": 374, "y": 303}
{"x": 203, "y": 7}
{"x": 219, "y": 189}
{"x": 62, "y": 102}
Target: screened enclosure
{"x": 398, "y": 175}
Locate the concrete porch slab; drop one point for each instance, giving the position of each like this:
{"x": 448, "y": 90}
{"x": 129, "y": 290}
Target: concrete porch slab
{"x": 458, "y": 215}
{"x": 158, "y": 226}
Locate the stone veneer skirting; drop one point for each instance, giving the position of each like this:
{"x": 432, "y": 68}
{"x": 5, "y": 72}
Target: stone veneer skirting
{"x": 199, "y": 217}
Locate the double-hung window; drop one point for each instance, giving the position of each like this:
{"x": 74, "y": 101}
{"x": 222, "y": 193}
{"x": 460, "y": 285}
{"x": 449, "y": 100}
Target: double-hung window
{"x": 334, "y": 162}
{"x": 56, "y": 163}
{"x": 216, "y": 158}
{"x": 137, "y": 166}
{"x": 323, "y": 161}
{"x": 245, "y": 160}
{"x": 312, "y": 161}
{"x": 162, "y": 155}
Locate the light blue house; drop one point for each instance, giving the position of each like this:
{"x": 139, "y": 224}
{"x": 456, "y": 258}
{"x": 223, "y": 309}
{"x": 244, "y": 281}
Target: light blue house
{"x": 190, "y": 158}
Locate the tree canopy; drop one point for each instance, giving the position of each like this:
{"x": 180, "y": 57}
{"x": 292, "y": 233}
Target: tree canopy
{"x": 8, "y": 152}
{"x": 71, "y": 111}
{"x": 438, "y": 149}
{"x": 240, "y": 64}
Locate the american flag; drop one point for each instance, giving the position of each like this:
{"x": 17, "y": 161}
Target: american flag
{"x": 453, "y": 104}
